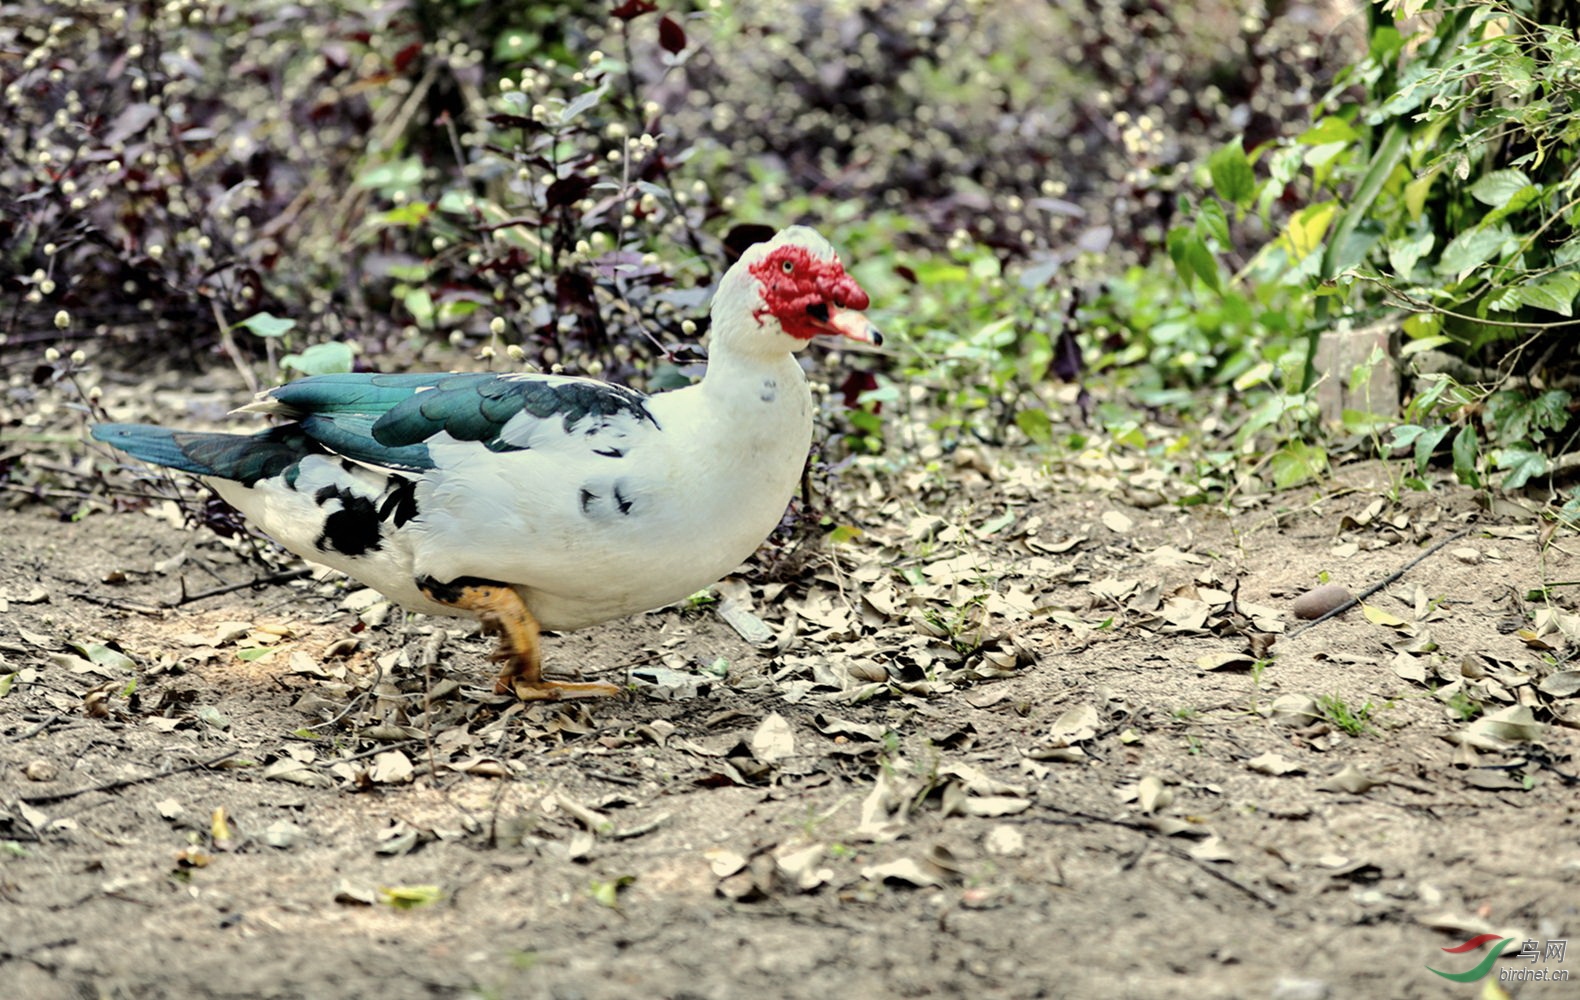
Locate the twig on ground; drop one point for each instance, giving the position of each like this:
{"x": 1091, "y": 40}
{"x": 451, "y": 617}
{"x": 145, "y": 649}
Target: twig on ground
{"x": 285, "y": 577}
{"x": 112, "y": 602}
{"x": 110, "y": 786}
{"x": 1385, "y": 581}
{"x": 1153, "y": 836}
{"x": 38, "y": 728}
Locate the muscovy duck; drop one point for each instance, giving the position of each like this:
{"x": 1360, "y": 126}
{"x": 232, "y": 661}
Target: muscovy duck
{"x": 534, "y": 501}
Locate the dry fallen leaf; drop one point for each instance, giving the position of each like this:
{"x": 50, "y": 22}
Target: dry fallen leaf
{"x": 1152, "y": 794}
{"x": 392, "y": 767}
{"x": 1212, "y": 849}
{"x": 773, "y": 741}
{"x": 1296, "y": 710}
{"x": 1351, "y": 779}
{"x": 297, "y": 773}
{"x": 724, "y": 862}
{"x": 1563, "y": 684}
{"x": 1117, "y": 522}
{"x": 886, "y": 809}
{"x": 903, "y": 871}
{"x": 1272, "y": 763}
{"x": 996, "y": 805}
{"x": 800, "y": 867}
{"x": 1225, "y": 661}
{"x": 1503, "y": 728}
{"x": 1074, "y": 725}
{"x": 1377, "y": 616}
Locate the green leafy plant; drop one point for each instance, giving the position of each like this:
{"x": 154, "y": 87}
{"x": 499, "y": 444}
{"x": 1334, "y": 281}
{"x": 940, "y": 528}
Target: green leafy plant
{"x": 1339, "y": 713}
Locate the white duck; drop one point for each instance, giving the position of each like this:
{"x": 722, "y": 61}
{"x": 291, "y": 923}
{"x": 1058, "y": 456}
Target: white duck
{"x": 531, "y": 501}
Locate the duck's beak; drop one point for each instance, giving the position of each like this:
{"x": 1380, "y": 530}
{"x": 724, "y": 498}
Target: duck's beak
{"x": 850, "y": 323}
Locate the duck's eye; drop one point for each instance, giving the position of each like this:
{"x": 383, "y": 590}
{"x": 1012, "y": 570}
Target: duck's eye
{"x": 789, "y": 266}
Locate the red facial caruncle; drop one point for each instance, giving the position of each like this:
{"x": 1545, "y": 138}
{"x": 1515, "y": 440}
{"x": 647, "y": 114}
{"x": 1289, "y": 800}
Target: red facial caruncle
{"x": 811, "y": 296}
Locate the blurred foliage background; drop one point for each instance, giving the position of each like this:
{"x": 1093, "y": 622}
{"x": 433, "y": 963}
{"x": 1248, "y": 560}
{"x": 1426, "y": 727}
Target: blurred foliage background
{"x": 1130, "y": 229}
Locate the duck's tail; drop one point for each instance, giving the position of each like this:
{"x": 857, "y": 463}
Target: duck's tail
{"x": 242, "y": 458}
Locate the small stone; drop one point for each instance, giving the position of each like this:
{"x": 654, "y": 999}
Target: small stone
{"x": 1301, "y": 989}
{"x": 1318, "y": 601}
{"x": 1466, "y": 555}
{"x": 41, "y": 770}
{"x": 282, "y": 834}
{"x": 1004, "y": 841}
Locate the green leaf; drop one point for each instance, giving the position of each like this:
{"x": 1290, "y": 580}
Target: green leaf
{"x": 6, "y": 680}
{"x": 409, "y": 215}
{"x": 843, "y": 533}
{"x": 1404, "y": 252}
{"x": 583, "y": 103}
{"x": 456, "y": 202}
{"x": 412, "y": 274}
{"x": 397, "y": 175}
{"x": 1204, "y": 264}
{"x": 1471, "y": 249}
{"x": 1521, "y": 463}
{"x": 1426, "y": 343}
{"x": 1329, "y": 129}
{"x": 252, "y": 653}
{"x": 405, "y": 897}
{"x": 1305, "y": 231}
{"x": 607, "y": 891}
{"x": 454, "y": 310}
{"x": 1516, "y": 202}
{"x": 1211, "y": 223}
{"x": 264, "y": 324}
{"x": 1036, "y": 425}
{"x": 1364, "y": 421}
{"x": 105, "y": 656}
{"x": 1550, "y": 410}
{"x": 1555, "y": 293}
{"x": 1404, "y": 435}
{"x": 1427, "y": 443}
{"x": 1297, "y": 462}
{"x": 1232, "y": 177}
{"x": 1466, "y": 448}
{"x": 420, "y": 304}
{"x": 1254, "y": 376}
{"x": 1496, "y": 188}
{"x": 320, "y": 359}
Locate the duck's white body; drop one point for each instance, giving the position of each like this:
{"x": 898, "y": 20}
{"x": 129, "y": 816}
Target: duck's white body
{"x": 588, "y": 500}
{"x": 597, "y": 519}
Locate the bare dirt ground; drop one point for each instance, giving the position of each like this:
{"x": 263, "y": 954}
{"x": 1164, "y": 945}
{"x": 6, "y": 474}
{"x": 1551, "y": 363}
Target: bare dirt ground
{"x": 1020, "y": 737}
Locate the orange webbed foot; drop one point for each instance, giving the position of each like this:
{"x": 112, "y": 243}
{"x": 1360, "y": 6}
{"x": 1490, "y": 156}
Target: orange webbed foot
{"x": 501, "y": 611}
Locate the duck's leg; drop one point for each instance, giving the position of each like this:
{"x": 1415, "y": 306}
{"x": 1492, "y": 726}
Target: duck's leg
{"x": 502, "y": 612}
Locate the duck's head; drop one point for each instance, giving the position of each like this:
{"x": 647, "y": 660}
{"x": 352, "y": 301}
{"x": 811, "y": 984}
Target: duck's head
{"x": 783, "y": 293}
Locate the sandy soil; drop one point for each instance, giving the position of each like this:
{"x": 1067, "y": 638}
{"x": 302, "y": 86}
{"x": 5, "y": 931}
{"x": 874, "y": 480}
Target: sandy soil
{"x": 258, "y": 794}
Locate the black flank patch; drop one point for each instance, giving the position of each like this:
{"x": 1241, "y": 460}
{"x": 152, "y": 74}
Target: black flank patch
{"x": 588, "y": 496}
{"x": 325, "y": 494}
{"x": 400, "y": 503}
{"x": 609, "y": 452}
{"x": 354, "y": 528}
{"x": 621, "y": 501}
